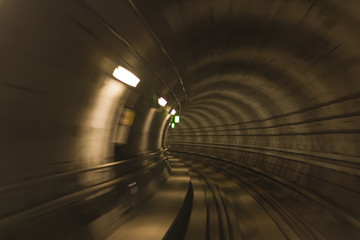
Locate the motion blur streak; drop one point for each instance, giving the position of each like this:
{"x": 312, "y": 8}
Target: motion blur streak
{"x": 268, "y": 94}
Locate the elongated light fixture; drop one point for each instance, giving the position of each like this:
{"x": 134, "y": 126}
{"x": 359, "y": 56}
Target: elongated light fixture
{"x": 172, "y": 125}
{"x": 162, "y": 102}
{"x": 173, "y": 112}
{"x": 126, "y": 76}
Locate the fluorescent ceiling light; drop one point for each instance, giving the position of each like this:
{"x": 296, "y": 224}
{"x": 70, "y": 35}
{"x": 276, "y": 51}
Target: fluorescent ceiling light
{"x": 172, "y": 125}
{"x": 177, "y": 119}
{"x": 125, "y": 76}
{"x": 173, "y": 112}
{"x": 162, "y": 102}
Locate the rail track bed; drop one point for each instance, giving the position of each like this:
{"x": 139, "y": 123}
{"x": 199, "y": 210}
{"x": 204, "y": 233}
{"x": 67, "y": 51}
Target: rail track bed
{"x": 231, "y": 202}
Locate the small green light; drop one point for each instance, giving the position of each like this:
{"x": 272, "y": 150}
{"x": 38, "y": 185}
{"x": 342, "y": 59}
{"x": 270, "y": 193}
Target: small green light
{"x": 172, "y": 125}
{"x": 177, "y": 119}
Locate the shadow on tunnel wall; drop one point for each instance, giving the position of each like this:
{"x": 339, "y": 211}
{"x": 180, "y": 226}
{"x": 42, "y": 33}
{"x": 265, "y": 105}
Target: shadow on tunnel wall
{"x": 267, "y": 85}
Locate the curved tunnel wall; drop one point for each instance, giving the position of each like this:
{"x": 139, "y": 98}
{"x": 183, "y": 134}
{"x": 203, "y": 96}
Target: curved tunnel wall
{"x": 268, "y": 84}
{"x": 288, "y": 75}
{"x": 60, "y": 111}
{"x": 60, "y": 104}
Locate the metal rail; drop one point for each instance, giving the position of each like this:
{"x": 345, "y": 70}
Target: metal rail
{"x": 135, "y": 167}
{"x": 272, "y": 195}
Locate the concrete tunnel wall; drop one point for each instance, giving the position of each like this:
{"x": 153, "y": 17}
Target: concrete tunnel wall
{"x": 60, "y": 112}
{"x": 60, "y": 103}
{"x": 268, "y": 84}
{"x": 278, "y": 91}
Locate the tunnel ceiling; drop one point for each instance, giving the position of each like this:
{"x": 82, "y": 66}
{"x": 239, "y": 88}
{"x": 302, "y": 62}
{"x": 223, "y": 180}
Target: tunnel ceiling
{"x": 220, "y": 63}
{"x": 267, "y": 85}
{"x": 228, "y": 62}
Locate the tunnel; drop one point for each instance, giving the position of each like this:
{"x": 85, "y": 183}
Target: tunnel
{"x": 244, "y": 123}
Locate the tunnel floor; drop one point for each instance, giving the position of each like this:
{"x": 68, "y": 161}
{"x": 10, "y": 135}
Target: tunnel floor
{"x": 232, "y": 203}
{"x": 153, "y": 219}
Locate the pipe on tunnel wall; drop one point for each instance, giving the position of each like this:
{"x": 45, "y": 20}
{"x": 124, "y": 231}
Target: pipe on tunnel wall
{"x": 318, "y": 153}
{"x": 60, "y": 106}
{"x": 286, "y": 73}
{"x": 59, "y": 102}
{"x": 296, "y": 69}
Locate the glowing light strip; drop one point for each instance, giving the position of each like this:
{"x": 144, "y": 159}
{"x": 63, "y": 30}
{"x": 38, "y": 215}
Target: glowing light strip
{"x": 162, "y": 102}
{"x": 126, "y": 76}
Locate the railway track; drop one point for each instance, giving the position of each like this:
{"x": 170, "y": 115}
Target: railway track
{"x": 243, "y": 204}
{"x": 218, "y": 224}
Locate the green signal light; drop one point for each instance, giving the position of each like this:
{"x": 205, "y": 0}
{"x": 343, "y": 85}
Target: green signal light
{"x": 177, "y": 119}
{"x": 172, "y": 125}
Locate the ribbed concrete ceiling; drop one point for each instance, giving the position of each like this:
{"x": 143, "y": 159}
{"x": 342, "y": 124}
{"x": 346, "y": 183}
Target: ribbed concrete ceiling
{"x": 247, "y": 60}
{"x": 221, "y": 63}
{"x": 272, "y": 85}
